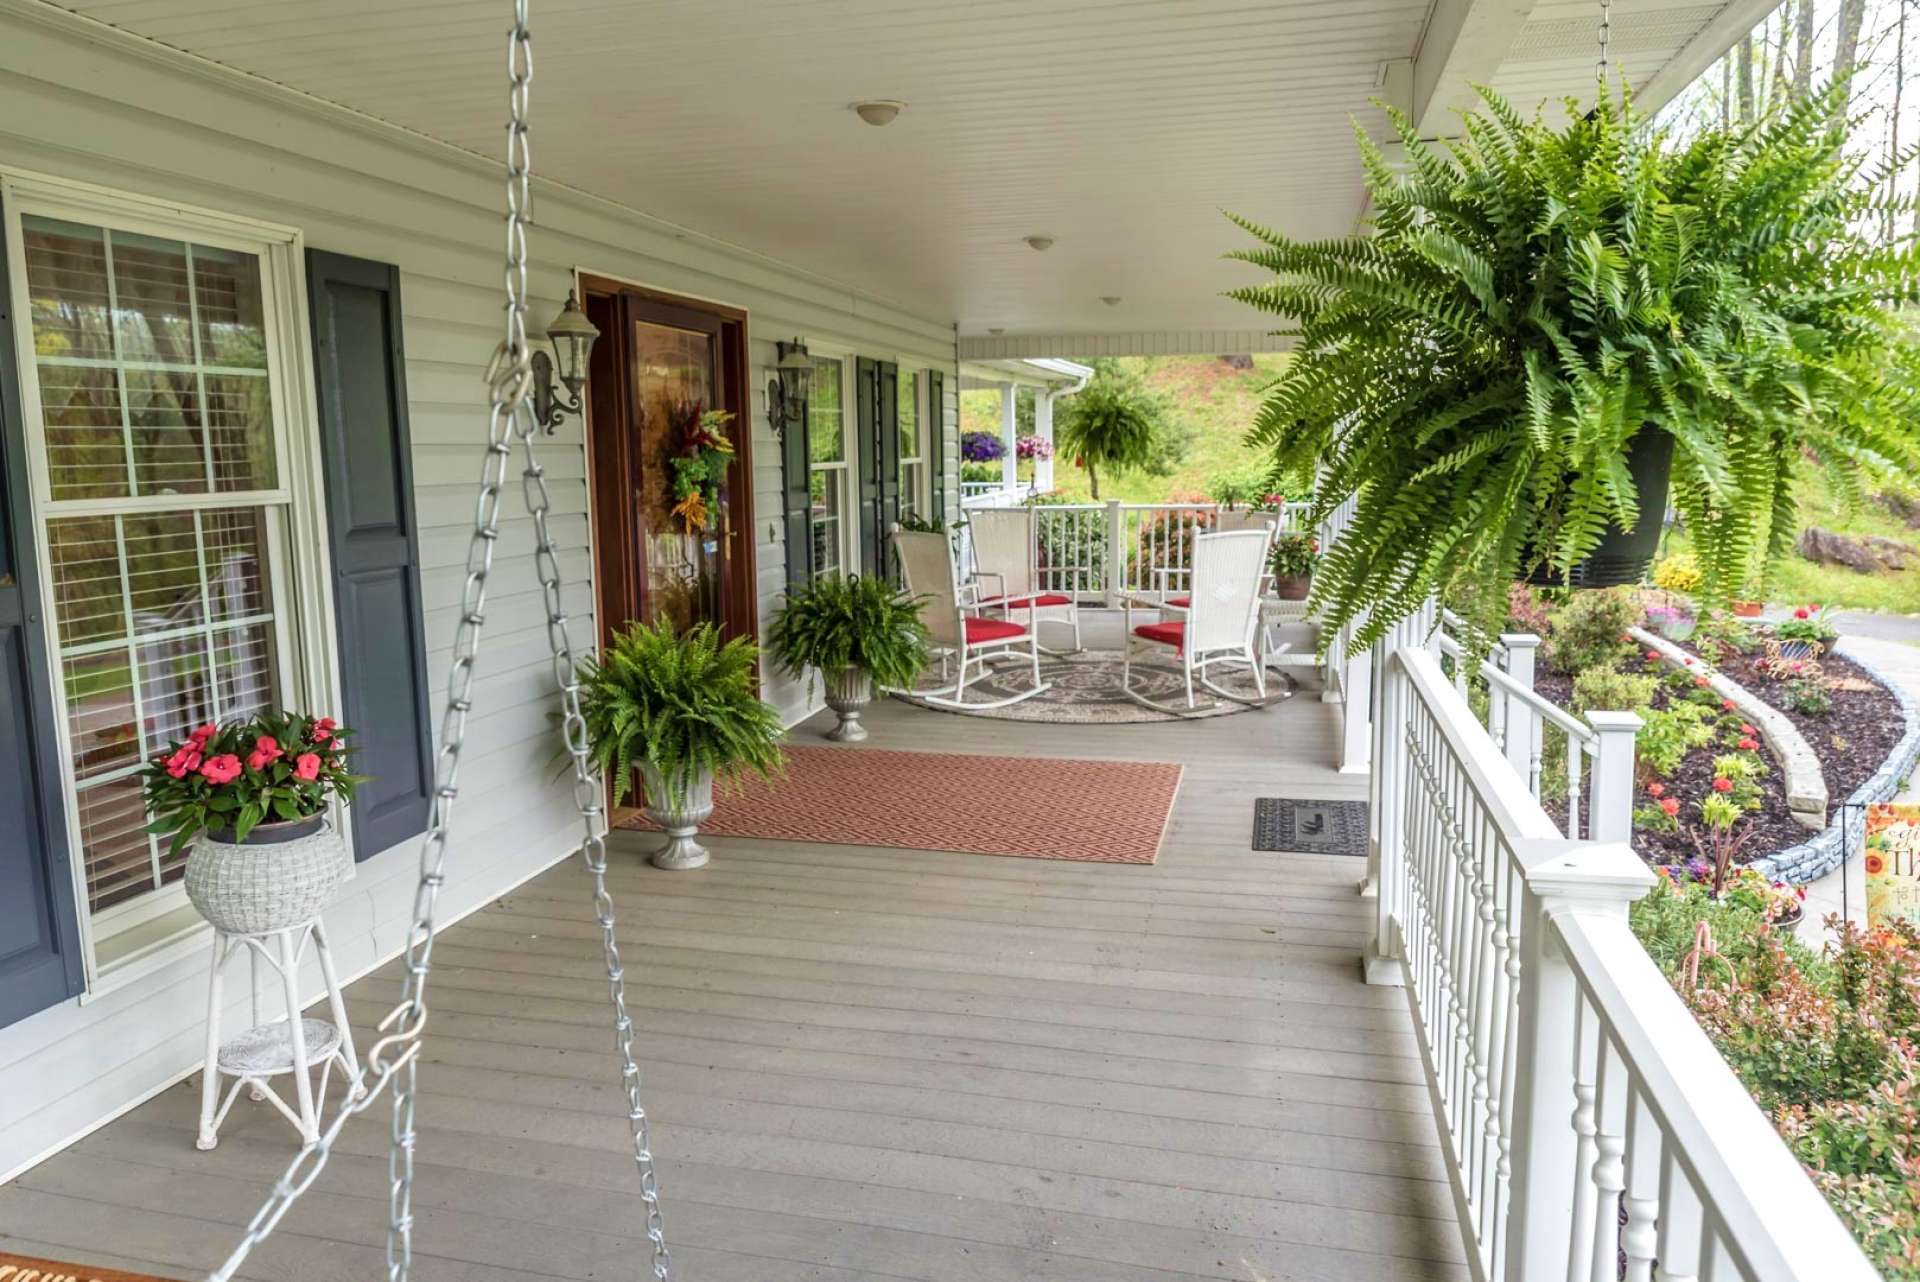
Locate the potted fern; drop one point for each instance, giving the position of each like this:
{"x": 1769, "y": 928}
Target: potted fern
{"x": 683, "y": 709}
{"x": 854, "y": 630}
{"x": 1558, "y": 328}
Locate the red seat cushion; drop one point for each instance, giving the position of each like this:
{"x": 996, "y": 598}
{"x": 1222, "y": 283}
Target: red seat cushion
{"x": 1180, "y": 602}
{"x": 980, "y": 631}
{"x": 1030, "y": 602}
{"x": 1173, "y": 632}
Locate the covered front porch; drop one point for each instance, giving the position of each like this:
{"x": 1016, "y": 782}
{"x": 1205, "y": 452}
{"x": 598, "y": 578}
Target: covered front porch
{"x": 867, "y": 1063}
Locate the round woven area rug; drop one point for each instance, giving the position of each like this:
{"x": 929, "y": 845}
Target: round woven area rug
{"x": 1087, "y": 691}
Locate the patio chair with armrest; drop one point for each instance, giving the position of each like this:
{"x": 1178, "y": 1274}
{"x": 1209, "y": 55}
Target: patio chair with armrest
{"x": 928, "y": 572}
{"x": 1006, "y": 552}
{"x": 1222, "y": 618}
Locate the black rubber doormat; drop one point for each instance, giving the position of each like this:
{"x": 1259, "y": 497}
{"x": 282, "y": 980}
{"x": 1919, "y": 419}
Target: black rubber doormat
{"x": 1310, "y": 827}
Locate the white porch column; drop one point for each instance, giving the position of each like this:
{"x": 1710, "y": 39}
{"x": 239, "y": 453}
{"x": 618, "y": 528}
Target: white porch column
{"x": 1009, "y": 463}
{"x": 1043, "y": 429}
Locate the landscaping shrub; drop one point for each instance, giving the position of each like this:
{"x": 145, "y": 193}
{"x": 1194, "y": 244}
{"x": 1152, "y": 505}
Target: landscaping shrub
{"x": 1823, "y": 1043}
{"x": 1589, "y": 631}
{"x": 1527, "y": 612}
{"x": 1678, "y": 573}
{"x": 1608, "y": 689}
{"x": 1670, "y": 733}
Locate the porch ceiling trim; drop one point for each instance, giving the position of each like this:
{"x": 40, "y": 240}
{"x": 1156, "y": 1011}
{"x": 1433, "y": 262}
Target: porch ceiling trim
{"x": 1205, "y": 342}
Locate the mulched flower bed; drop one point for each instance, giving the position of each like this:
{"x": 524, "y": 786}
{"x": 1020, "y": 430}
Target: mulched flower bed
{"x": 1854, "y": 739}
{"x": 1773, "y": 825}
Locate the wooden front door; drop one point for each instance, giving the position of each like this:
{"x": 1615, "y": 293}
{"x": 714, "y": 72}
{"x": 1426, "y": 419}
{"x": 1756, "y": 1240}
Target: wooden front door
{"x": 660, "y": 363}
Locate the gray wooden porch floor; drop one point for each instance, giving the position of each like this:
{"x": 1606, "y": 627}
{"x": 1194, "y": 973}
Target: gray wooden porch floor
{"x": 869, "y": 1063}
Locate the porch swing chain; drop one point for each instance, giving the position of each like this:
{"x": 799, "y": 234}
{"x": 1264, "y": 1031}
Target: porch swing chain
{"x": 393, "y": 1059}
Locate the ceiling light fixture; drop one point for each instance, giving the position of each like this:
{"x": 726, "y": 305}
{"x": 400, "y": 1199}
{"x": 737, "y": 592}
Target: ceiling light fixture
{"x": 1111, "y": 300}
{"x": 879, "y": 111}
{"x": 1040, "y": 244}
{"x": 995, "y": 329}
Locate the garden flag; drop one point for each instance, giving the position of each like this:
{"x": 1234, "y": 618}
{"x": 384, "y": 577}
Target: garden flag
{"x": 1893, "y": 864}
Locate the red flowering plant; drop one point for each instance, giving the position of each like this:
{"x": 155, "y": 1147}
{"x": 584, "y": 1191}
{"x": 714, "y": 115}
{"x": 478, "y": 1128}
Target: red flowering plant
{"x": 275, "y": 766}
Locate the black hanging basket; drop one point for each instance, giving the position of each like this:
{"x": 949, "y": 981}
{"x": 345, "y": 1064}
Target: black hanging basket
{"x": 1624, "y": 556}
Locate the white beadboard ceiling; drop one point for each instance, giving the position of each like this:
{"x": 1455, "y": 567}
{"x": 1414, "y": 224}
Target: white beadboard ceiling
{"x": 1120, "y": 127}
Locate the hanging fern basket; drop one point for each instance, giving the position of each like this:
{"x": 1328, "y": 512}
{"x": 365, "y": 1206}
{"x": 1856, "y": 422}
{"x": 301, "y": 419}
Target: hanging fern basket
{"x": 1625, "y": 556}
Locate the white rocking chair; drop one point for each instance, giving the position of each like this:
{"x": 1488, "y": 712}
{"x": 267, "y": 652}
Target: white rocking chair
{"x": 1222, "y": 623}
{"x": 1006, "y": 549}
{"x": 927, "y": 571}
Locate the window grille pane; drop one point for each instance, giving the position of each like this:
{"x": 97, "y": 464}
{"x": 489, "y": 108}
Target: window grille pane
{"x": 240, "y": 421}
{"x": 118, "y": 848}
{"x": 828, "y": 504}
{"x": 67, "y": 283}
{"x": 88, "y": 595}
{"x": 85, "y": 431}
{"x": 232, "y": 316}
{"x": 169, "y": 438}
{"x": 910, "y": 417}
{"x": 826, "y": 438}
{"x": 153, "y": 308}
{"x": 236, "y": 550}
{"x": 163, "y": 572}
{"x": 100, "y": 713}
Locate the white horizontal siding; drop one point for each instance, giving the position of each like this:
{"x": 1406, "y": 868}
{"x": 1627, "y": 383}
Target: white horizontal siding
{"x": 143, "y": 121}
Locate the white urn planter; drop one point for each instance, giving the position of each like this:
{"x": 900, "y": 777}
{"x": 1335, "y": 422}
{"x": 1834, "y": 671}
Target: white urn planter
{"x": 679, "y": 801}
{"x": 280, "y": 876}
{"x": 847, "y": 695}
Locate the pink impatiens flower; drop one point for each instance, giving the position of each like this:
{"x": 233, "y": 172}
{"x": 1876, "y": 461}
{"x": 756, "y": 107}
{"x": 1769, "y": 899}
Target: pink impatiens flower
{"x": 1653, "y": 656}
{"x": 1748, "y": 745}
{"x": 266, "y": 751}
{"x": 185, "y": 758}
{"x": 1656, "y": 790}
{"x": 307, "y": 766}
{"x": 224, "y": 768}
{"x": 1723, "y": 784}
{"x": 1726, "y": 705}
{"x": 323, "y": 729}
{"x": 1669, "y": 807}
{"x": 1803, "y": 613}
{"x": 204, "y": 733}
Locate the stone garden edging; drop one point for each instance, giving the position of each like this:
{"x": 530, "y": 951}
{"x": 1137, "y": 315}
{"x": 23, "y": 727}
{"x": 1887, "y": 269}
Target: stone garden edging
{"x": 1806, "y": 782}
{"x": 1822, "y": 853}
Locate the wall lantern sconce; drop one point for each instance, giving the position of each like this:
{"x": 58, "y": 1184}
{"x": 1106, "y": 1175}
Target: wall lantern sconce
{"x": 787, "y": 390}
{"x": 572, "y": 336}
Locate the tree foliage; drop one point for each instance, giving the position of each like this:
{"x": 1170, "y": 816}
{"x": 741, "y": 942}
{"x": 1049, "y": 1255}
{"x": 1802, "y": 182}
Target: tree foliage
{"x": 1474, "y": 373}
{"x": 1116, "y": 421}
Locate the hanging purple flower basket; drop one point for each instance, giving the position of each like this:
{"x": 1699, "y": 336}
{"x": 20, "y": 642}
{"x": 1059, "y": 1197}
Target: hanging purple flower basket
{"x": 981, "y": 447}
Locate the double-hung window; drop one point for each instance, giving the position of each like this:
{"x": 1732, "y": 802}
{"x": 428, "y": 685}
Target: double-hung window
{"x": 154, "y": 387}
{"x": 913, "y": 471}
{"x": 829, "y": 476}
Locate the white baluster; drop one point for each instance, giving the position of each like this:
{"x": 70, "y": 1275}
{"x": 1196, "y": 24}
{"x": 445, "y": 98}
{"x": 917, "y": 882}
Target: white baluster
{"x": 1586, "y": 1058}
{"x": 1640, "y": 1238}
{"x": 1680, "y": 1222}
{"x": 1609, "y": 1163}
{"x": 1576, "y": 762}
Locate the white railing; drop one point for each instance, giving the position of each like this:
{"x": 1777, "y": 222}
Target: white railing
{"x": 1111, "y": 549}
{"x": 1569, "y": 1080}
{"x": 1517, "y": 716}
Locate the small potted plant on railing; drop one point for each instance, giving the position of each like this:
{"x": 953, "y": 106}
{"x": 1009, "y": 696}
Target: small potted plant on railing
{"x": 252, "y": 798}
{"x": 683, "y": 708}
{"x": 854, "y": 630}
{"x": 1291, "y": 562}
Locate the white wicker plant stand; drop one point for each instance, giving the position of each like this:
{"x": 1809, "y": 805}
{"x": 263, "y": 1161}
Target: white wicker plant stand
{"x": 295, "y": 1045}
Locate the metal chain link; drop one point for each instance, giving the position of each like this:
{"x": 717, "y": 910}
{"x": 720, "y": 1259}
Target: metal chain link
{"x": 394, "y": 1058}
{"x": 1606, "y": 39}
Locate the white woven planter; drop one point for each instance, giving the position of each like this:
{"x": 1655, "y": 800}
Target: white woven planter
{"x": 255, "y": 889}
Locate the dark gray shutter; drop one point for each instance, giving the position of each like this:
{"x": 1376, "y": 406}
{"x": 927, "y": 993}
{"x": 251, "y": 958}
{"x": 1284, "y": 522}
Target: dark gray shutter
{"x": 360, "y": 368}
{"x": 796, "y": 496}
{"x": 937, "y": 444}
{"x": 39, "y": 930}
{"x": 877, "y": 399}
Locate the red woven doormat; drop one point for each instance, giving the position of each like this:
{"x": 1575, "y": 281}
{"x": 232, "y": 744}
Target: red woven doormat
{"x": 1108, "y": 812}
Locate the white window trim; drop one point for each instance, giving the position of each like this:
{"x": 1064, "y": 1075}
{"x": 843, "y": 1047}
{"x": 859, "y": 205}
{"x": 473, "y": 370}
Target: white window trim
{"x": 308, "y": 650}
{"x": 849, "y": 445}
{"x": 922, "y": 494}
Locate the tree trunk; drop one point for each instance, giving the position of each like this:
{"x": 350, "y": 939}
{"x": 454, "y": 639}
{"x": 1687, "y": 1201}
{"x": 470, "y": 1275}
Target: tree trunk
{"x": 1093, "y": 479}
{"x": 1777, "y": 83}
{"x": 1746, "y": 80}
{"x": 1803, "y": 49}
{"x": 1852, "y": 14}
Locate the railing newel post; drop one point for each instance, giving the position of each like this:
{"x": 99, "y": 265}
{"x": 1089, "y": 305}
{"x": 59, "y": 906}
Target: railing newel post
{"x": 1522, "y": 737}
{"x": 1610, "y": 798}
{"x": 1116, "y": 566}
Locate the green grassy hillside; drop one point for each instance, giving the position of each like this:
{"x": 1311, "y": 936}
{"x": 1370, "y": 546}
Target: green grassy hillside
{"x": 1212, "y": 403}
